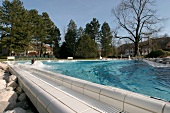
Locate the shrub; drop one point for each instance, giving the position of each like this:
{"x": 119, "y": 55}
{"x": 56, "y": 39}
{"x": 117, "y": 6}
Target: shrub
{"x": 168, "y": 53}
{"x": 157, "y": 53}
{"x": 3, "y": 57}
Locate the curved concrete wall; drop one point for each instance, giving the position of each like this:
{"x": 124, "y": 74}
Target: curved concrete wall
{"x": 125, "y": 100}
{"x": 122, "y": 99}
{"x": 42, "y": 100}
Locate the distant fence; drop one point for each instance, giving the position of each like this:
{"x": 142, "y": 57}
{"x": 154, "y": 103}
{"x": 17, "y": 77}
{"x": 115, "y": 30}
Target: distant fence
{"x": 34, "y": 57}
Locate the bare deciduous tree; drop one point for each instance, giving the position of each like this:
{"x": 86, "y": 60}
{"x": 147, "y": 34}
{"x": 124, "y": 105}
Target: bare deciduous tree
{"x": 138, "y": 18}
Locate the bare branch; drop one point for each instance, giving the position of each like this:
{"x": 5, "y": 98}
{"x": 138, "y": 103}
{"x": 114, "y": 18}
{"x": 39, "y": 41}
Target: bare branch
{"x": 138, "y": 18}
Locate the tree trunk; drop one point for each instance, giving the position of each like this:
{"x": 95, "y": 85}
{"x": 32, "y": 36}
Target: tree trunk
{"x": 41, "y": 51}
{"x": 136, "y": 49}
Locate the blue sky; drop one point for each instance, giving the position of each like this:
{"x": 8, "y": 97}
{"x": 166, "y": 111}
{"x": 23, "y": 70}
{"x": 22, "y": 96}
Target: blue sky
{"x": 83, "y": 11}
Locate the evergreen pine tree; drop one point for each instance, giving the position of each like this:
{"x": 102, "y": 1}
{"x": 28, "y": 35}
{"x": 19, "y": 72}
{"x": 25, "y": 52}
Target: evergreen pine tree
{"x": 86, "y": 48}
{"x": 92, "y": 29}
{"x": 70, "y": 38}
{"x": 14, "y": 20}
{"x": 106, "y": 40}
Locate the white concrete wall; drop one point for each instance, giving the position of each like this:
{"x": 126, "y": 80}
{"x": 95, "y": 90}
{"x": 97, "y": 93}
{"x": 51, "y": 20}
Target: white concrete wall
{"x": 126, "y": 100}
{"x": 42, "y": 100}
{"x": 122, "y": 99}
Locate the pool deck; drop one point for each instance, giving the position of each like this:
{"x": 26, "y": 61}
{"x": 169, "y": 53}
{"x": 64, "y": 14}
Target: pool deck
{"x": 55, "y": 93}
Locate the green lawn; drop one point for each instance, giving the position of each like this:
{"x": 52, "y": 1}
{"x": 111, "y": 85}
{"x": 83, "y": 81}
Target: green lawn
{"x": 1, "y": 60}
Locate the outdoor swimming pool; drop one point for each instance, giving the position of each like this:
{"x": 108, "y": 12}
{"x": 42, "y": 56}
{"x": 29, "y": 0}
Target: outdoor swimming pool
{"x": 136, "y": 76}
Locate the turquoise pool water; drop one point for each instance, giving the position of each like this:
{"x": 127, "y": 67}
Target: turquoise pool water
{"x": 136, "y": 76}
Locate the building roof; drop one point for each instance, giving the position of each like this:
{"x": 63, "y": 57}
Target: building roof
{"x": 46, "y": 46}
